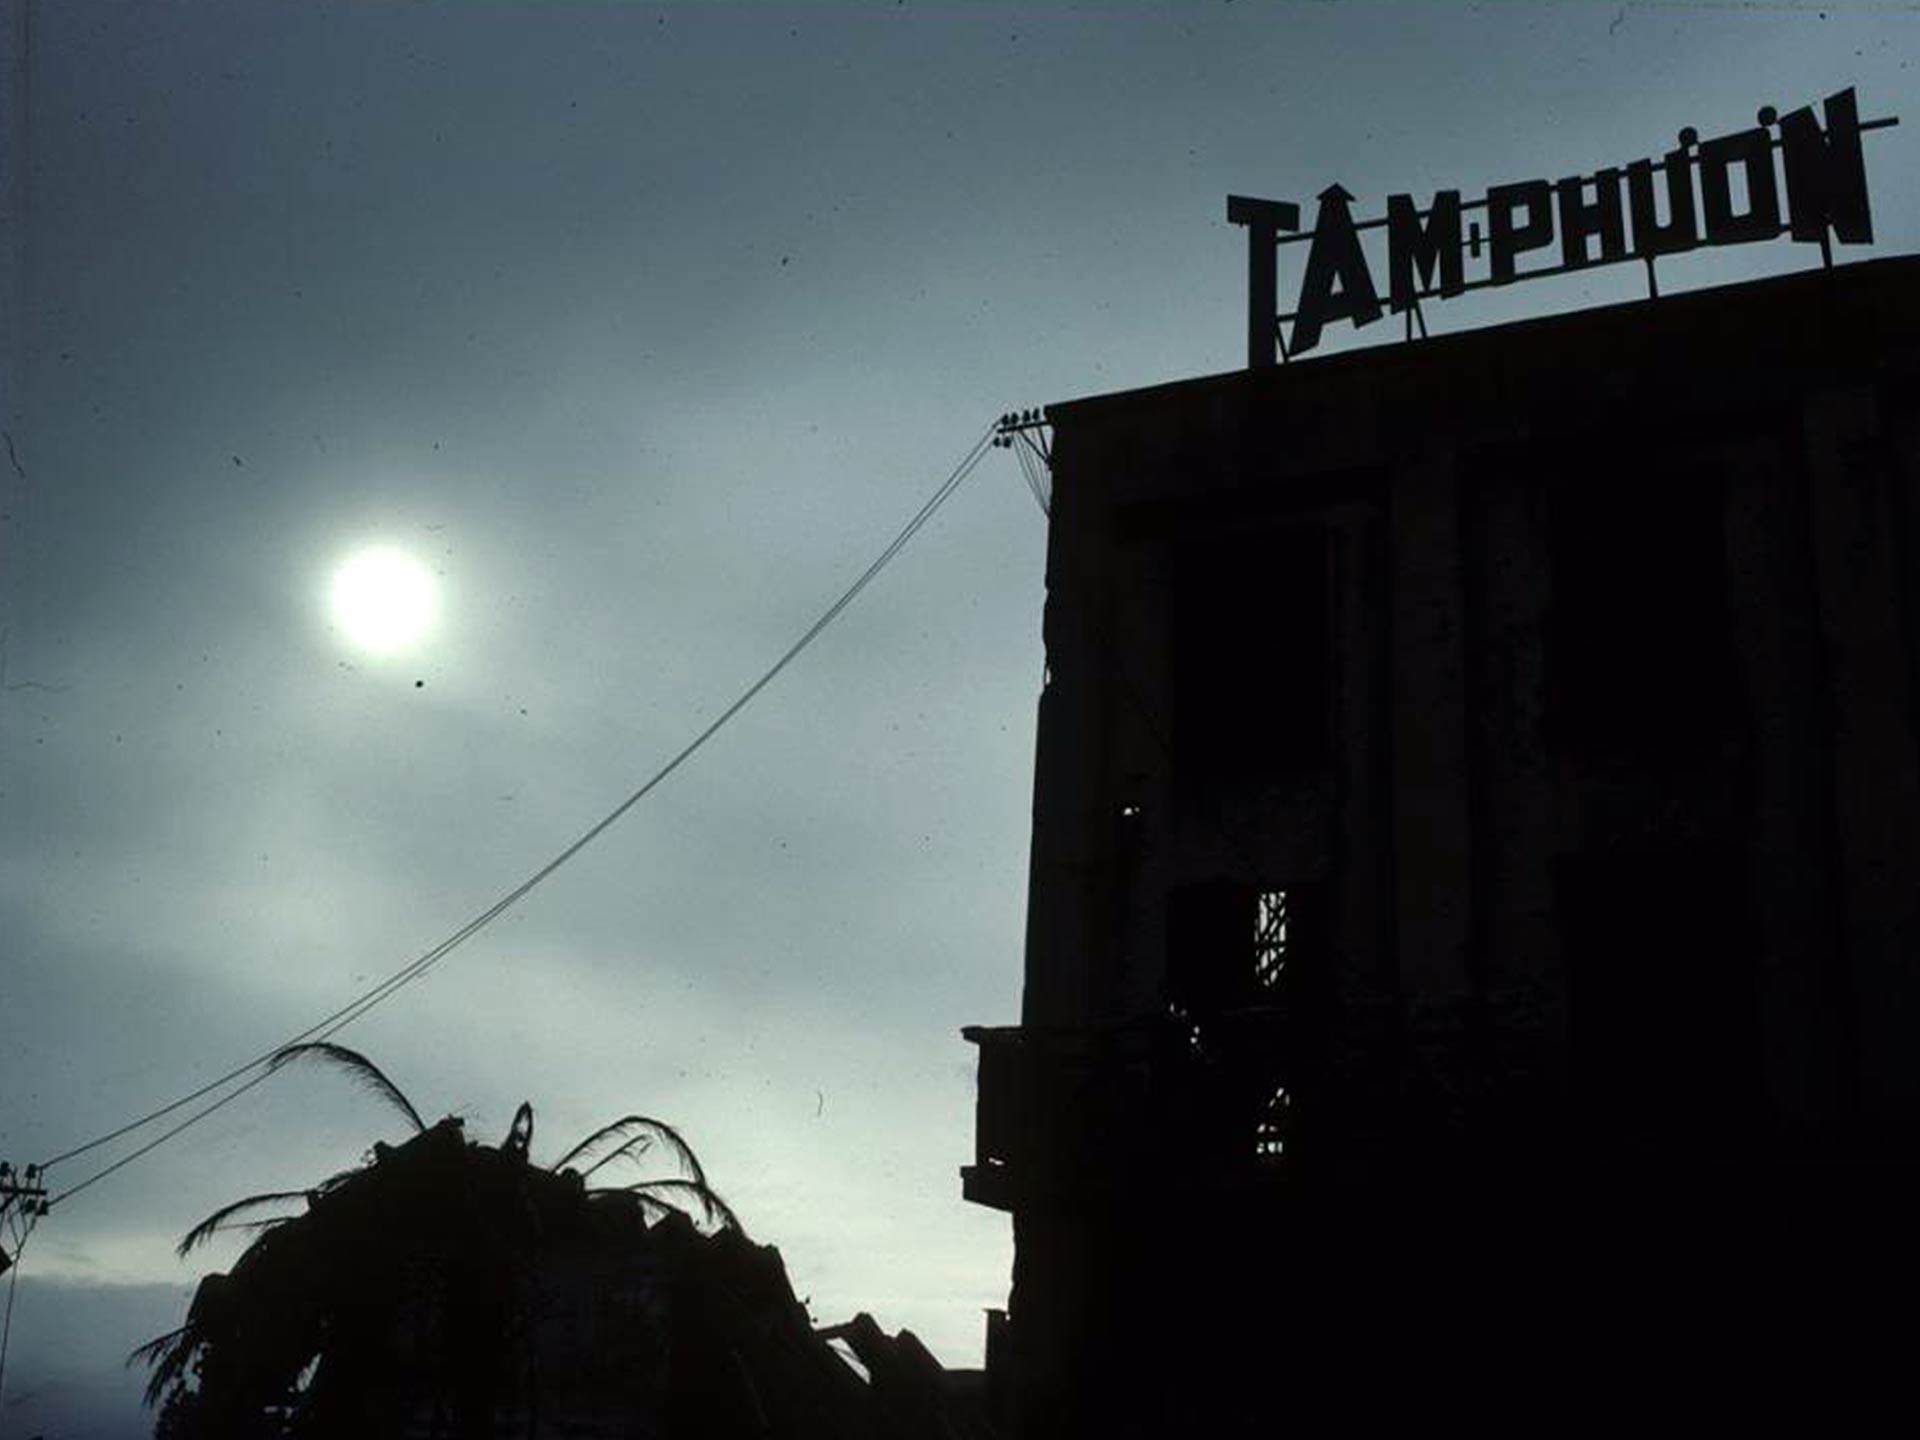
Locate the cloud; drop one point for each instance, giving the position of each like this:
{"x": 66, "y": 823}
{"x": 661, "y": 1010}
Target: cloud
{"x": 67, "y": 1374}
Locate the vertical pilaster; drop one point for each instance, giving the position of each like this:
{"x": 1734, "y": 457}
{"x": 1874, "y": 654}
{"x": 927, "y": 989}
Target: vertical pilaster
{"x": 1432, "y": 860}
{"x": 1875, "y": 774}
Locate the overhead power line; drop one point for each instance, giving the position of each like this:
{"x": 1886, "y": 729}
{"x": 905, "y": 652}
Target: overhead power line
{"x": 414, "y": 970}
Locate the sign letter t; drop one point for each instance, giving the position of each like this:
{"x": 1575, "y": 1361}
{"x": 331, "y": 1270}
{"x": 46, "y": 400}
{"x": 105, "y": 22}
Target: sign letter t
{"x": 1264, "y": 219}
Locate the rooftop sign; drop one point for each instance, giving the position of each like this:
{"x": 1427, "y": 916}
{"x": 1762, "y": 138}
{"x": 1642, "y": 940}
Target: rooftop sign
{"x": 1723, "y": 191}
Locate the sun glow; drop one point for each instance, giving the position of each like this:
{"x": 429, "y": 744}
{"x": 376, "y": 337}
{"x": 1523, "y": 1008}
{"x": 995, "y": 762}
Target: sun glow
{"x": 384, "y": 599}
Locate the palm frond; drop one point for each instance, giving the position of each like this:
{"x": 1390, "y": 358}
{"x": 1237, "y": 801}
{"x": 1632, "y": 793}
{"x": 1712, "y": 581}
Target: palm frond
{"x": 272, "y": 1222}
{"x": 713, "y": 1209}
{"x": 618, "y": 1130}
{"x": 631, "y": 1150}
{"x": 644, "y": 1131}
{"x": 204, "y": 1231}
{"x": 357, "y": 1065}
{"x": 653, "y": 1208}
{"x": 337, "y": 1179}
{"x": 168, "y": 1355}
{"x": 151, "y": 1351}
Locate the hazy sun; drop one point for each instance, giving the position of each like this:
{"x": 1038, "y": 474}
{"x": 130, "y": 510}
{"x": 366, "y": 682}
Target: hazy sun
{"x": 383, "y": 598}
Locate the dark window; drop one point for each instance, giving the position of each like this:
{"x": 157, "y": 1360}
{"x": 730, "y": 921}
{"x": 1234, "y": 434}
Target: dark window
{"x": 1661, "y": 1004}
{"x": 1212, "y": 956}
{"x": 1639, "y": 661}
{"x": 1251, "y": 655}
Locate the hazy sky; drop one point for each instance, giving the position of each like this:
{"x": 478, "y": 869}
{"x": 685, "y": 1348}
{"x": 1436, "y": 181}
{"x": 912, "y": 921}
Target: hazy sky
{"x": 644, "y": 327}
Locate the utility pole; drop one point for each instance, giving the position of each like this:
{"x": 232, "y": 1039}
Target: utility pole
{"x": 25, "y": 1189}
{"x": 23, "y": 1185}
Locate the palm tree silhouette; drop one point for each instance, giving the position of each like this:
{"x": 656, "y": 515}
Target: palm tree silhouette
{"x": 445, "y": 1284}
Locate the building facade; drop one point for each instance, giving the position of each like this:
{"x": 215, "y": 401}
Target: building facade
{"x": 1476, "y": 852}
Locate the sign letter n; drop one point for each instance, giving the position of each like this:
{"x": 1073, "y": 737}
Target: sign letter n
{"x": 1826, "y": 173}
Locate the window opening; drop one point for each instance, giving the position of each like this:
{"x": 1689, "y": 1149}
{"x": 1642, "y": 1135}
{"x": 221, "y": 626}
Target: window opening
{"x": 1270, "y": 938}
{"x": 1639, "y": 644}
{"x": 1270, "y": 1130}
{"x": 1257, "y": 715}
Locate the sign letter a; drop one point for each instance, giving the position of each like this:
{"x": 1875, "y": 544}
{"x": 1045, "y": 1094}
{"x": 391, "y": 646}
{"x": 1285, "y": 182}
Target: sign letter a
{"x": 1335, "y": 256}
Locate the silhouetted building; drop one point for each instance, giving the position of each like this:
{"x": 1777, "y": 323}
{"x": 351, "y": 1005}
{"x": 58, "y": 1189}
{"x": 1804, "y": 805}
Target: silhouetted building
{"x": 1474, "y": 922}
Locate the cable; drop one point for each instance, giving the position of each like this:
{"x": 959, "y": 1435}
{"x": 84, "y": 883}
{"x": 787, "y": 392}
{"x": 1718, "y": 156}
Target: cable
{"x": 408, "y": 973}
{"x": 1028, "y": 468}
{"x": 359, "y": 1006}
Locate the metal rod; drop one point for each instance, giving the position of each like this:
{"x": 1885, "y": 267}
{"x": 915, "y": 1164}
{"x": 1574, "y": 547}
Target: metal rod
{"x": 1489, "y": 283}
{"x": 1774, "y": 142}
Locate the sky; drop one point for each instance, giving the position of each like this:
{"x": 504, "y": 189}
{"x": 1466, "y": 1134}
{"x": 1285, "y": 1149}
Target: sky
{"x": 642, "y": 328}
